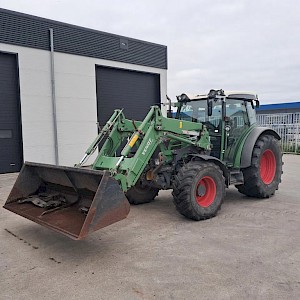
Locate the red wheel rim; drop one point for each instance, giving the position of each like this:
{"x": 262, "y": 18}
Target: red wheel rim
{"x": 267, "y": 167}
{"x": 206, "y": 191}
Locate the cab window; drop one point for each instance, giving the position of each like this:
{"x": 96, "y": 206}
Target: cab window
{"x": 237, "y": 113}
{"x": 236, "y": 120}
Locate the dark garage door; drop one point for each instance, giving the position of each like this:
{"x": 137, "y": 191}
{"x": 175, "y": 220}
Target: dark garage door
{"x": 10, "y": 123}
{"x": 131, "y": 90}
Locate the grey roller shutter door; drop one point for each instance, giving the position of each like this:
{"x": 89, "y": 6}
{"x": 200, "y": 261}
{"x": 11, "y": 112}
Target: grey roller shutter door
{"x": 10, "y": 120}
{"x": 131, "y": 90}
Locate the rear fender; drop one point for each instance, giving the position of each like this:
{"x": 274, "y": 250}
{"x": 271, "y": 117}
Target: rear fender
{"x": 250, "y": 142}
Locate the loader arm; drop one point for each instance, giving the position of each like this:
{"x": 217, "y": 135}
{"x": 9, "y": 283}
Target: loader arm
{"x": 77, "y": 201}
{"x": 155, "y": 131}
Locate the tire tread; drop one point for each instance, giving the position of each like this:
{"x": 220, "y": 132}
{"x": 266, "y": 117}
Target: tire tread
{"x": 182, "y": 189}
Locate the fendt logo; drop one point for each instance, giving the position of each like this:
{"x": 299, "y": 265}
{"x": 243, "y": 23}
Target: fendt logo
{"x": 150, "y": 141}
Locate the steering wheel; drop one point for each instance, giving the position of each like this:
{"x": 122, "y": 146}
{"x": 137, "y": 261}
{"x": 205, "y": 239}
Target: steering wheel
{"x": 210, "y": 126}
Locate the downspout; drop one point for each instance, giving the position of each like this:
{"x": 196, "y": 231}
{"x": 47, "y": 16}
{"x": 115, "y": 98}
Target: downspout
{"x": 53, "y": 96}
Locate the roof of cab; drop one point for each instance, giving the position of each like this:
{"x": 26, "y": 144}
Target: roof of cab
{"x": 228, "y": 94}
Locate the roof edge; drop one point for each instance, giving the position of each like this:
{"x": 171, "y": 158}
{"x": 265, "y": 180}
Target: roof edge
{"x": 16, "y": 13}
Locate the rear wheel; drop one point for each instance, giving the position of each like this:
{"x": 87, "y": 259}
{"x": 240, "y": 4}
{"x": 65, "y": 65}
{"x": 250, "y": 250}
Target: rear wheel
{"x": 199, "y": 190}
{"x": 140, "y": 194}
{"x": 262, "y": 178}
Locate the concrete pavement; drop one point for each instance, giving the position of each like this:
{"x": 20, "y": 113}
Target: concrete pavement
{"x": 251, "y": 250}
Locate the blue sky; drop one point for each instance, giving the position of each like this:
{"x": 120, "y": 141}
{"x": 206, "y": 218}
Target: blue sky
{"x": 229, "y": 44}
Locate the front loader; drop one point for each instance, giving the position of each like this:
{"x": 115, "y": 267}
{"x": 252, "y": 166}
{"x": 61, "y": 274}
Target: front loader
{"x": 210, "y": 143}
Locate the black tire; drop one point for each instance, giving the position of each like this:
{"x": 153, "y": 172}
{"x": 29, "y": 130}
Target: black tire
{"x": 140, "y": 194}
{"x": 199, "y": 190}
{"x": 262, "y": 178}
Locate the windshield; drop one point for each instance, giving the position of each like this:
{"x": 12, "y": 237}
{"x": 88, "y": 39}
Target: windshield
{"x": 196, "y": 111}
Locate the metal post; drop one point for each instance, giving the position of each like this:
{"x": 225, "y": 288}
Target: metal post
{"x": 53, "y": 96}
{"x": 296, "y": 139}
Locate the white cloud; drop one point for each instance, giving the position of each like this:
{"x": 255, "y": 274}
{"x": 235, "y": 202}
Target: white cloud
{"x": 229, "y": 44}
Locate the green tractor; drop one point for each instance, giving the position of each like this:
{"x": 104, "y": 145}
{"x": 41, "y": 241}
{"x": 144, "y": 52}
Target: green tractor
{"x": 210, "y": 142}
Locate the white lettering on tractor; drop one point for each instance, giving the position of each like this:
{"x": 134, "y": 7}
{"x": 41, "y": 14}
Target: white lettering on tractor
{"x": 150, "y": 141}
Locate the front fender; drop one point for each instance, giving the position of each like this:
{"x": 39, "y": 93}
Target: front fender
{"x": 213, "y": 159}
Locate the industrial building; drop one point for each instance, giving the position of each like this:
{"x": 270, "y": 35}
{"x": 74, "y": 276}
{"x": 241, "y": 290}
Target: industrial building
{"x": 58, "y": 80}
{"x": 276, "y": 108}
{"x": 284, "y": 118}
{"x": 279, "y": 113}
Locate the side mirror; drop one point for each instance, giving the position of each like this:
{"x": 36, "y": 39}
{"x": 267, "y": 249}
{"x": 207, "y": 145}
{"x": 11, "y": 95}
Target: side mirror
{"x": 209, "y": 107}
{"x": 170, "y": 113}
{"x": 257, "y": 103}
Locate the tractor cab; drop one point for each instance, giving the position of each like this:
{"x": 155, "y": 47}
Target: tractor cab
{"x": 226, "y": 115}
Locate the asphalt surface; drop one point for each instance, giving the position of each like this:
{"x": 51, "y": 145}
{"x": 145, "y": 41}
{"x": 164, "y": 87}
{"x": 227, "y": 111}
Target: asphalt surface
{"x": 251, "y": 250}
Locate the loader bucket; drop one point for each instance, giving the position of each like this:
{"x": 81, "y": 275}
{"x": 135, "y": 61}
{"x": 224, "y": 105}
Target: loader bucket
{"x": 72, "y": 201}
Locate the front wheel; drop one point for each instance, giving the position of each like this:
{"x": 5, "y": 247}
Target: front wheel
{"x": 199, "y": 190}
{"x": 140, "y": 194}
{"x": 262, "y": 178}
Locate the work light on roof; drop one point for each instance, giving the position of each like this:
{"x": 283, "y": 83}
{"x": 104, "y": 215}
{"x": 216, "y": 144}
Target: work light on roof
{"x": 182, "y": 98}
{"x": 214, "y": 93}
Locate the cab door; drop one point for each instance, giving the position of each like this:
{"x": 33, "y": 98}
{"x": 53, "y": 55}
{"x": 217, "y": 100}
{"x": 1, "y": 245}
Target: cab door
{"x": 236, "y": 125}
{"x": 215, "y": 126}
